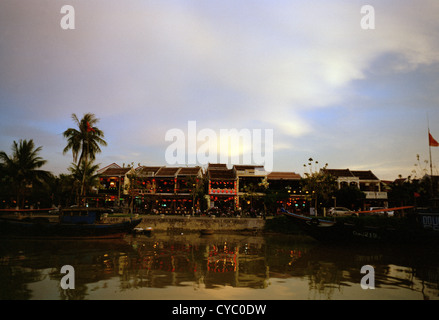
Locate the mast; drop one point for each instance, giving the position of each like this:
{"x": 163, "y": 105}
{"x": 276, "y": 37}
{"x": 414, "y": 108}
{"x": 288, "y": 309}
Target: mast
{"x": 431, "y": 143}
{"x": 429, "y": 149}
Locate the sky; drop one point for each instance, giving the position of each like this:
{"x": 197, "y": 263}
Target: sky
{"x": 327, "y": 88}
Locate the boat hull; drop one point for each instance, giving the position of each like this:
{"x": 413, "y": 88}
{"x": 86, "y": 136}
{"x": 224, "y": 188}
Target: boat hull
{"x": 38, "y": 229}
{"x": 329, "y": 231}
{"x": 206, "y": 232}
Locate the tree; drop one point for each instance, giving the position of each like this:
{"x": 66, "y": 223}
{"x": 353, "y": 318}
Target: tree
{"x": 350, "y": 197}
{"x": 196, "y": 187}
{"x": 22, "y": 168}
{"x": 319, "y": 183}
{"x": 62, "y": 190}
{"x": 84, "y": 141}
{"x": 255, "y": 190}
{"x": 78, "y": 172}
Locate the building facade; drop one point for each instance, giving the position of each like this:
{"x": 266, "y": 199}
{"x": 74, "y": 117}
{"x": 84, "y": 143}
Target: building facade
{"x": 366, "y": 181}
{"x": 241, "y": 189}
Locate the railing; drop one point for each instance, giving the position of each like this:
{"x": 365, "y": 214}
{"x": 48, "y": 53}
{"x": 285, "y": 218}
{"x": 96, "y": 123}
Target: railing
{"x": 375, "y": 195}
{"x": 222, "y": 191}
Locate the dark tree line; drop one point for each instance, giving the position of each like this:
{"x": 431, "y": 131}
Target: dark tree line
{"x": 23, "y": 182}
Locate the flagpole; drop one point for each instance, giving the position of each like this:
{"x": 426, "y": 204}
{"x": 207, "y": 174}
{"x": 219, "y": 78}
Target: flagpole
{"x": 429, "y": 149}
{"x": 431, "y": 163}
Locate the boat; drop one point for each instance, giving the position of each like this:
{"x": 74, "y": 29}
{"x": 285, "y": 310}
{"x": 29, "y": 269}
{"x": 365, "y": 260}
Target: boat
{"x": 73, "y": 223}
{"x": 142, "y": 231}
{"x": 421, "y": 226}
{"x": 206, "y": 232}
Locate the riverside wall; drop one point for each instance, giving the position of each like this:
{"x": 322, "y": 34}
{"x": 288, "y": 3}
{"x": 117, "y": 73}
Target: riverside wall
{"x": 195, "y": 224}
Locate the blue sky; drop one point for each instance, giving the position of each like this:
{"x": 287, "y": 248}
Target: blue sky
{"x": 328, "y": 89}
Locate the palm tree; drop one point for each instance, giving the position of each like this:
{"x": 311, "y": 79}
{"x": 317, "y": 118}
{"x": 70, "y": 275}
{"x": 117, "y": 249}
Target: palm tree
{"x": 22, "y": 168}
{"x": 77, "y": 174}
{"x": 62, "y": 190}
{"x": 84, "y": 142}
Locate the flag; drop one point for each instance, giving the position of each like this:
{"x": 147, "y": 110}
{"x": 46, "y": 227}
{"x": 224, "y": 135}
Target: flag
{"x": 432, "y": 142}
{"x": 89, "y": 128}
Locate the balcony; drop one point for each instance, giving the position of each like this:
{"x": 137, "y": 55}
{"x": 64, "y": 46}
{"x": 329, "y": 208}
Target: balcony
{"x": 222, "y": 191}
{"x": 376, "y": 195}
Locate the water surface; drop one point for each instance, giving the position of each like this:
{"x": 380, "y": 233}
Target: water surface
{"x": 223, "y": 266}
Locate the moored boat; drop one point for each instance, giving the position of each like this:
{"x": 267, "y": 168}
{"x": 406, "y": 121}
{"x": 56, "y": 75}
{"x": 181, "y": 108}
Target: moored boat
{"x": 74, "y": 223}
{"x": 206, "y": 232}
{"x": 142, "y": 231}
{"x": 420, "y": 227}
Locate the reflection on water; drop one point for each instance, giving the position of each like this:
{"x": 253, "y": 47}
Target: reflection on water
{"x": 220, "y": 266}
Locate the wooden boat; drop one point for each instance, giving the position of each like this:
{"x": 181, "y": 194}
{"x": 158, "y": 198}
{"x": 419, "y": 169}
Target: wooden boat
{"x": 142, "y": 231}
{"x": 206, "y": 232}
{"x": 419, "y": 227}
{"x": 74, "y": 223}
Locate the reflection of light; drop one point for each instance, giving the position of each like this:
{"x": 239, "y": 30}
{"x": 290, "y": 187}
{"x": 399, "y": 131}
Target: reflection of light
{"x": 294, "y": 255}
{"x": 123, "y": 262}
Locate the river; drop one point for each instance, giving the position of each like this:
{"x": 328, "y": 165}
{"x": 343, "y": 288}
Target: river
{"x": 223, "y": 266}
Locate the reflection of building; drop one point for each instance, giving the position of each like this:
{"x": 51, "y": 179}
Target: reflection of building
{"x": 238, "y": 264}
{"x": 366, "y": 181}
{"x": 207, "y": 262}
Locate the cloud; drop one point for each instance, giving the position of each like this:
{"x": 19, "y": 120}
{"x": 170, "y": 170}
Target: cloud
{"x": 147, "y": 67}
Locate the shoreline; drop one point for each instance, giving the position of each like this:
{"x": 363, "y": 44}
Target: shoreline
{"x": 196, "y": 224}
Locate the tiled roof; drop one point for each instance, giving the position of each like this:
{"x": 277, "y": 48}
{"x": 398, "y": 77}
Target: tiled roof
{"x": 113, "y": 165}
{"x": 117, "y": 172}
{"x": 339, "y": 172}
{"x": 283, "y": 176}
{"x": 168, "y": 171}
{"x": 247, "y": 167}
{"x": 228, "y": 174}
{"x": 145, "y": 170}
{"x": 185, "y": 171}
{"x": 399, "y": 181}
{"x": 364, "y": 175}
{"x": 217, "y": 166}
{"x": 360, "y": 174}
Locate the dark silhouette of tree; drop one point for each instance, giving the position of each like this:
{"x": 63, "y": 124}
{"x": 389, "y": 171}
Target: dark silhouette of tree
{"x": 319, "y": 183}
{"x": 84, "y": 142}
{"x": 22, "y": 168}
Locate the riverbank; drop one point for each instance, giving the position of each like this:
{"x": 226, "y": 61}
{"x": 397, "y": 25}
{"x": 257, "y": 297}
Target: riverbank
{"x": 178, "y": 223}
{"x": 280, "y": 224}
{"x": 196, "y": 224}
